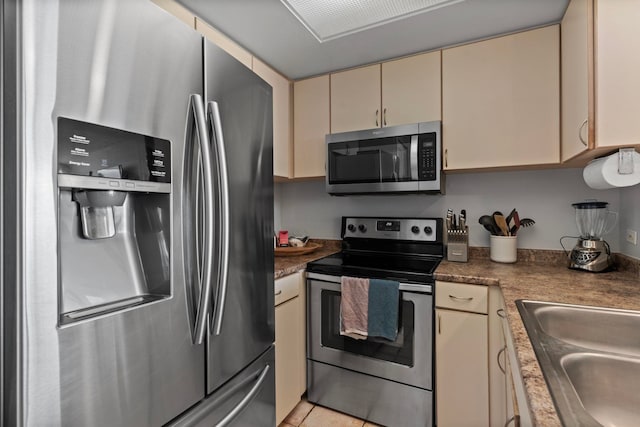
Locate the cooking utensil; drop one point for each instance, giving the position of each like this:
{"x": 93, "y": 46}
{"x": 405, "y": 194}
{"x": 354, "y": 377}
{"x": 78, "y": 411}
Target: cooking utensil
{"x": 501, "y": 223}
{"x": 509, "y": 219}
{"x": 489, "y": 224}
{"x": 526, "y": 222}
{"x": 516, "y": 226}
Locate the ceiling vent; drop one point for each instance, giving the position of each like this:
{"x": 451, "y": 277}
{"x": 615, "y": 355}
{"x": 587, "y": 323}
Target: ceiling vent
{"x": 332, "y": 19}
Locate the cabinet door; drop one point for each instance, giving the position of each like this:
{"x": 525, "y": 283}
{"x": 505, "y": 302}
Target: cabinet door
{"x": 411, "y": 89}
{"x": 288, "y": 357}
{"x": 462, "y": 379}
{"x": 355, "y": 99}
{"x": 577, "y": 63}
{"x": 617, "y": 71}
{"x": 501, "y": 101}
{"x": 310, "y": 126}
{"x": 282, "y": 158}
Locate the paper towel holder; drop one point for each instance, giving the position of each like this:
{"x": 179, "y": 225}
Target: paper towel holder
{"x": 619, "y": 169}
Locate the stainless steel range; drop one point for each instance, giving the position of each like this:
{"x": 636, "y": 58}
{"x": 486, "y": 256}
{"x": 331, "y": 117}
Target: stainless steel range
{"x": 386, "y": 382}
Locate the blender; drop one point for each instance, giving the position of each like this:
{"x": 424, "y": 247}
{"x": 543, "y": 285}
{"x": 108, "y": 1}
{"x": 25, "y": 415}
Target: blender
{"x": 591, "y": 252}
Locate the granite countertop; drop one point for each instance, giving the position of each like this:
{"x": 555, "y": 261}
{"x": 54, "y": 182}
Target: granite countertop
{"x": 543, "y": 276}
{"x": 285, "y": 265}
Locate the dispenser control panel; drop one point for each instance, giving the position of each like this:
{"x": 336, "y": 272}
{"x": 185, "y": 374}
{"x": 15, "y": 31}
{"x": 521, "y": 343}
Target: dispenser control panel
{"x": 93, "y": 150}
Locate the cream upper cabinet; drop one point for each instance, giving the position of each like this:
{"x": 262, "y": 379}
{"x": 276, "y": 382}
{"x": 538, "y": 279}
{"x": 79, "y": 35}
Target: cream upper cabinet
{"x": 576, "y": 72}
{"x": 501, "y": 101}
{"x": 411, "y": 89}
{"x": 617, "y": 67}
{"x": 355, "y": 99}
{"x": 310, "y": 126}
{"x": 406, "y": 90}
{"x": 600, "y": 102}
{"x": 282, "y": 156}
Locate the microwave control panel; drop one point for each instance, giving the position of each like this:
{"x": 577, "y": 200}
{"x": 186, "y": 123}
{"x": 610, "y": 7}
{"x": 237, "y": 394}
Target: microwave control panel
{"x": 427, "y": 161}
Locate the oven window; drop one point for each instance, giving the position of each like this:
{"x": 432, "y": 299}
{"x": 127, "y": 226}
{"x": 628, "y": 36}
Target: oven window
{"x": 379, "y": 160}
{"x": 400, "y": 351}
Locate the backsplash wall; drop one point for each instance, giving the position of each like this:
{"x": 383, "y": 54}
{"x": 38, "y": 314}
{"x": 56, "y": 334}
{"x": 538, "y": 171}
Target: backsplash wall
{"x": 629, "y": 218}
{"x": 544, "y": 195}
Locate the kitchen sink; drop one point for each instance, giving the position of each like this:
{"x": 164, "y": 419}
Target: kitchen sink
{"x": 595, "y": 328}
{"x": 608, "y": 386}
{"x": 590, "y": 358}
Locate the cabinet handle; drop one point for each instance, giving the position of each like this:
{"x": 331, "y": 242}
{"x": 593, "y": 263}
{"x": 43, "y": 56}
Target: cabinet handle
{"x": 446, "y": 157}
{"x": 278, "y": 293}
{"x": 502, "y": 350}
{"x": 384, "y": 117}
{"x": 377, "y": 111}
{"x": 580, "y": 133}
{"x": 439, "y": 323}
{"x": 500, "y": 312}
{"x": 455, "y": 298}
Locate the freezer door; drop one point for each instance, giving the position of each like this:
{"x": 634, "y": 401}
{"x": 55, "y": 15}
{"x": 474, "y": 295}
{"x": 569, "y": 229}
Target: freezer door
{"x": 247, "y": 400}
{"x": 123, "y": 64}
{"x": 240, "y": 116}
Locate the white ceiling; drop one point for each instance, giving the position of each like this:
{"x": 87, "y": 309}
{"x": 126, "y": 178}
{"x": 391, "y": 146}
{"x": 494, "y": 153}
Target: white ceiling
{"x": 271, "y": 32}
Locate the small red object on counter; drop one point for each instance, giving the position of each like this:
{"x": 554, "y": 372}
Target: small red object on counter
{"x": 283, "y": 238}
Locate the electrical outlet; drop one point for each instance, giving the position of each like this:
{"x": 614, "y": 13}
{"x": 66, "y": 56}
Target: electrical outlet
{"x": 632, "y": 236}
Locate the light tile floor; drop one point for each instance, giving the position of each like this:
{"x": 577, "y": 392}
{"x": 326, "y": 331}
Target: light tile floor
{"x": 307, "y": 414}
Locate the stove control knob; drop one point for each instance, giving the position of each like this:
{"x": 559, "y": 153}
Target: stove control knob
{"x": 428, "y": 230}
{"x": 362, "y": 228}
{"x": 351, "y": 228}
{"x": 415, "y": 229}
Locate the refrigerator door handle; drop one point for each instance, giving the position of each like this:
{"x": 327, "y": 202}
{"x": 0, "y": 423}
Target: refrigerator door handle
{"x": 206, "y": 274}
{"x": 245, "y": 400}
{"x": 223, "y": 191}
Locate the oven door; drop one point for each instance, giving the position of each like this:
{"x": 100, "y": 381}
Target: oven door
{"x": 407, "y": 360}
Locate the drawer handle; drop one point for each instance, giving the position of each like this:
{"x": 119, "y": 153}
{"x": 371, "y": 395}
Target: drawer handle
{"x": 500, "y": 312}
{"x": 279, "y": 292}
{"x": 455, "y": 298}
{"x": 502, "y": 350}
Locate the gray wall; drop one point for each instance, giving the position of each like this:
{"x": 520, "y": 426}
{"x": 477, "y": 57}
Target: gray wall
{"x": 545, "y": 195}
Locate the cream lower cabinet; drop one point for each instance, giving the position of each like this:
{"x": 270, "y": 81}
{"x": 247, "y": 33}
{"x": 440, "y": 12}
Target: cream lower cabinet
{"x": 462, "y": 378}
{"x": 515, "y": 404}
{"x": 501, "y": 101}
{"x": 290, "y": 343}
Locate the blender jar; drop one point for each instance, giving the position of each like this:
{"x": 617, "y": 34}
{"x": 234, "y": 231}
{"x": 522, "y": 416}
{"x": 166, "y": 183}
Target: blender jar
{"x": 594, "y": 219}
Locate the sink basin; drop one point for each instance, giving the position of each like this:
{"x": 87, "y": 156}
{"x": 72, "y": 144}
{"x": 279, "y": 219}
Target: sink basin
{"x": 596, "y": 328}
{"x": 590, "y": 358}
{"x": 608, "y": 386}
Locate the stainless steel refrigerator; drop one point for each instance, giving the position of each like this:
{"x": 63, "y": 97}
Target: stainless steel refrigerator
{"x": 137, "y": 222}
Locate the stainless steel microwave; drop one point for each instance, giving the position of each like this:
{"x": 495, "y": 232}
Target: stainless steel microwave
{"x": 394, "y": 159}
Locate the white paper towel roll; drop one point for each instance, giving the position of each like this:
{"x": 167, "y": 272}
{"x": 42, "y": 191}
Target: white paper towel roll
{"x": 603, "y": 173}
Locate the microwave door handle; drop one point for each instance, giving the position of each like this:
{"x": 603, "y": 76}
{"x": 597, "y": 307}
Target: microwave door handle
{"x": 204, "y": 146}
{"x": 223, "y": 188}
{"x": 414, "y": 157}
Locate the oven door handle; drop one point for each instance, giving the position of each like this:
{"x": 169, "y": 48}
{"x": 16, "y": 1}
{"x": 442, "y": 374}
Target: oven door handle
{"x": 404, "y": 287}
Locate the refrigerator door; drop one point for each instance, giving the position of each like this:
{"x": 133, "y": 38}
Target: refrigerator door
{"x": 240, "y": 116}
{"x": 126, "y": 65}
{"x": 247, "y": 400}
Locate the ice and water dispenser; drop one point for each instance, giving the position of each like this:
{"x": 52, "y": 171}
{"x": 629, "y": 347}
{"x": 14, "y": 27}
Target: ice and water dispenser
{"x": 114, "y": 222}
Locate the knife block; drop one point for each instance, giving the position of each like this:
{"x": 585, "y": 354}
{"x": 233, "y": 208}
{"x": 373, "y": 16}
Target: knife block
{"x": 458, "y": 245}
